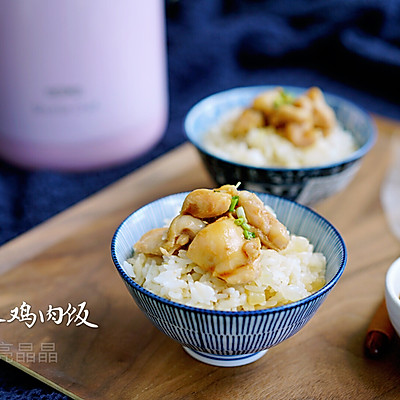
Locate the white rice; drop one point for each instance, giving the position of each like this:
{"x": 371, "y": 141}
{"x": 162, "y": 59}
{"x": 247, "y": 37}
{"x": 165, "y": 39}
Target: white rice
{"x": 286, "y": 276}
{"x": 264, "y": 147}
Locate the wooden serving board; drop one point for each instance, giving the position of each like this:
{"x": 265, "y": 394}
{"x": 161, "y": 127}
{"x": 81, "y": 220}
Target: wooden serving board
{"x": 67, "y": 260}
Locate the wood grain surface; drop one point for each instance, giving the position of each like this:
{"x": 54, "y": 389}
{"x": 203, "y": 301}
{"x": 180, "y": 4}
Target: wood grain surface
{"x": 67, "y": 260}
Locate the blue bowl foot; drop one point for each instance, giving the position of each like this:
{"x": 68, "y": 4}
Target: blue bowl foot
{"x": 224, "y": 361}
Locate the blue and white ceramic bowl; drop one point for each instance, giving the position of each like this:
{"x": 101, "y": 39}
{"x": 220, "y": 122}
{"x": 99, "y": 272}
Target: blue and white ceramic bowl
{"x": 304, "y": 185}
{"x": 229, "y": 338}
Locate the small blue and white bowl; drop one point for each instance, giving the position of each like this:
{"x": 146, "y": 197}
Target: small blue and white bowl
{"x": 230, "y": 338}
{"x": 304, "y": 185}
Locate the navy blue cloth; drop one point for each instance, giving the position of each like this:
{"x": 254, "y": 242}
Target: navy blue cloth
{"x": 350, "y": 48}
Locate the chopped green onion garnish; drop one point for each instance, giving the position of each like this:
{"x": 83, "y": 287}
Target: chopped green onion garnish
{"x": 234, "y": 202}
{"x": 240, "y": 213}
{"x": 283, "y": 98}
{"x": 246, "y": 226}
{"x": 240, "y": 221}
{"x": 248, "y": 234}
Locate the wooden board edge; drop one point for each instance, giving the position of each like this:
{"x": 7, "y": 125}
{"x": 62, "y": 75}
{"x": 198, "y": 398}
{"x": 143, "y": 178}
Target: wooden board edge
{"x": 39, "y": 377}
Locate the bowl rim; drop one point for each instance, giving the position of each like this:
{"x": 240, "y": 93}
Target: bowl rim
{"x": 389, "y": 279}
{"x": 272, "y": 310}
{"x": 359, "y": 153}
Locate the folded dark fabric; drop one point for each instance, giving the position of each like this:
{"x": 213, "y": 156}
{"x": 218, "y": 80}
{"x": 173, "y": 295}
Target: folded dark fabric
{"x": 353, "y": 40}
{"x": 297, "y": 25}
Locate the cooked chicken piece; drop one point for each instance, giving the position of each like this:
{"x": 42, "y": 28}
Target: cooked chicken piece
{"x": 272, "y": 233}
{"x": 151, "y": 242}
{"x": 296, "y": 119}
{"x": 230, "y": 189}
{"x": 287, "y": 113}
{"x": 266, "y": 101}
{"x": 182, "y": 229}
{"x": 323, "y": 115}
{"x": 300, "y": 134}
{"x": 303, "y": 101}
{"x": 205, "y": 203}
{"x": 247, "y": 120}
{"x": 222, "y": 249}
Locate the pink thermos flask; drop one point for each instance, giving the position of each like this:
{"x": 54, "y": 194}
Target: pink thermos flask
{"x": 83, "y": 83}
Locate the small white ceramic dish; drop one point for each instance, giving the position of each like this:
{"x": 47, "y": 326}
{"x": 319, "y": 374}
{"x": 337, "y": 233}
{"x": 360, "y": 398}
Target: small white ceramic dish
{"x": 392, "y": 293}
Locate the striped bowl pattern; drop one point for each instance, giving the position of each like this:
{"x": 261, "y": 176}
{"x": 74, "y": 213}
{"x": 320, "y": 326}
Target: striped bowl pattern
{"x": 229, "y": 338}
{"x": 304, "y": 185}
